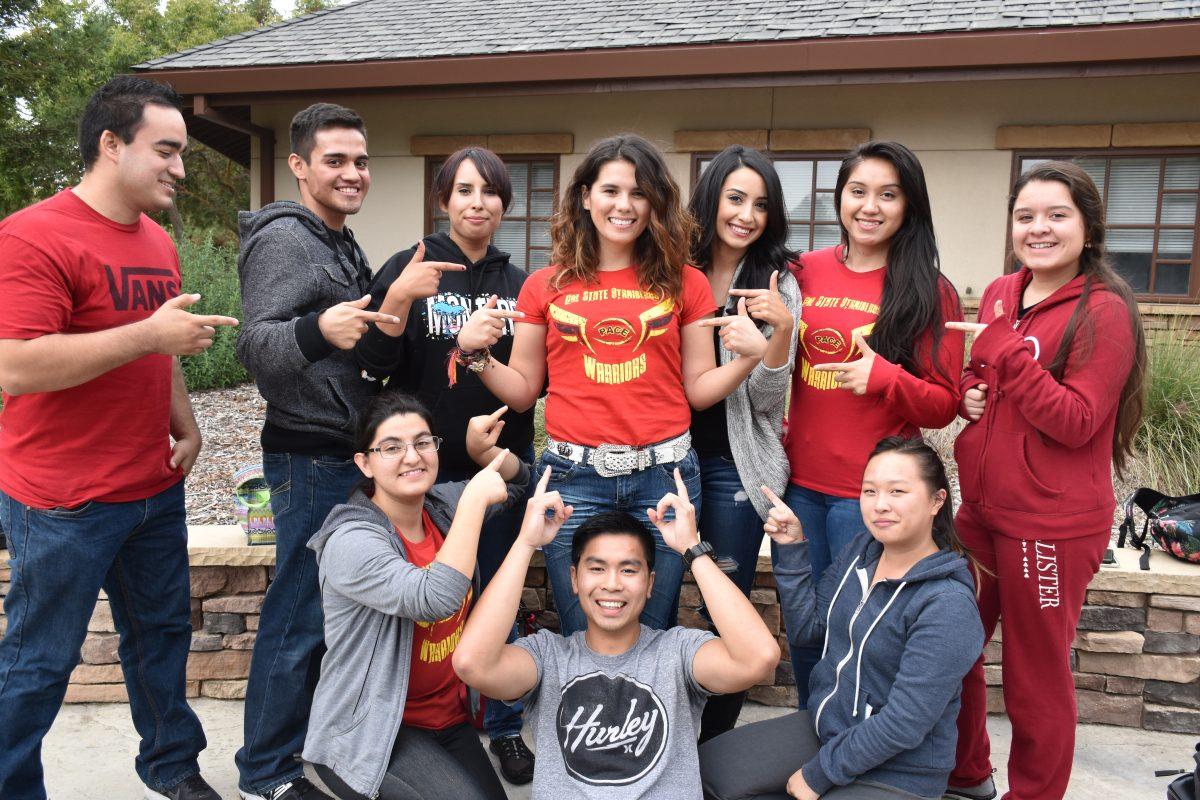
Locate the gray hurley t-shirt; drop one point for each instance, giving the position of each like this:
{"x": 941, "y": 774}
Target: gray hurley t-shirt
{"x": 616, "y": 727}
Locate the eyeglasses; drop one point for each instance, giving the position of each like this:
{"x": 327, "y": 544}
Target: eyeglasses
{"x": 393, "y": 450}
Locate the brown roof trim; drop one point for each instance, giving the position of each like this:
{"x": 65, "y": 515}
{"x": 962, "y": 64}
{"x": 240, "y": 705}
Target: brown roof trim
{"x": 1041, "y": 46}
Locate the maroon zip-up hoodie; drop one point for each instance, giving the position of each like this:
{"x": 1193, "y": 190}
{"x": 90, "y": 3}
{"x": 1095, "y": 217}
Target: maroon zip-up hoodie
{"x": 1038, "y": 463}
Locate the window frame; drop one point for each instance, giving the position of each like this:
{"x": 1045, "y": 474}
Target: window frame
{"x": 1109, "y": 153}
{"x": 773, "y": 155}
{"x": 432, "y": 163}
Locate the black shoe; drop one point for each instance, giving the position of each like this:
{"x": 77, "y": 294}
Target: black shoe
{"x": 299, "y": 789}
{"x": 193, "y": 788}
{"x": 516, "y": 760}
{"x": 981, "y": 791}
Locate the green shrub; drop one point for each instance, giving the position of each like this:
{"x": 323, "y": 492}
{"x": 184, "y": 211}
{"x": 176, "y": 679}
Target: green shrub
{"x": 211, "y": 270}
{"x": 1168, "y": 445}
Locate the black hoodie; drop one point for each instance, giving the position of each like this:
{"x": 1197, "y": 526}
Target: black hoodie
{"x": 416, "y": 360}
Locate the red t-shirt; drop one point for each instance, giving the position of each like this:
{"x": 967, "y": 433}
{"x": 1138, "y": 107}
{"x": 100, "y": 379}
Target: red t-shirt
{"x": 613, "y": 355}
{"x": 832, "y": 431}
{"x": 434, "y": 700}
{"x": 65, "y": 268}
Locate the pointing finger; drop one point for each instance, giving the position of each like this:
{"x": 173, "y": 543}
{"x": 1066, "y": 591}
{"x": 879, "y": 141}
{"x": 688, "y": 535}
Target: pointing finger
{"x": 498, "y": 460}
{"x": 715, "y": 322}
{"x": 831, "y": 367}
{"x": 497, "y": 414}
{"x": 773, "y": 284}
{"x": 749, "y": 292}
{"x": 966, "y": 327}
{"x": 503, "y": 313}
{"x": 209, "y": 321}
{"x": 544, "y": 482}
{"x": 774, "y": 498}
{"x": 861, "y": 341}
{"x": 446, "y": 266}
{"x": 680, "y": 486}
{"x": 375, "y": 316}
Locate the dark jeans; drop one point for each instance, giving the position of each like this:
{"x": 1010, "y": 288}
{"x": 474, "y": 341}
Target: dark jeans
{"x": 731, "y": 524}
{"x": 756, "y": 761}
{"x": 580, "y": 486}
{"x": 291, "y": 638}
{"x": 496, "y": 539}
{"x": 430, "y": 765}
{"x": 829, "y": 523}
{"x": 60, "y": 559}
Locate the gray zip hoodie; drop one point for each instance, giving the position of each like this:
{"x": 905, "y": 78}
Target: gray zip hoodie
{"x": 885, "y": 695}
{"x": 371, "y": 594}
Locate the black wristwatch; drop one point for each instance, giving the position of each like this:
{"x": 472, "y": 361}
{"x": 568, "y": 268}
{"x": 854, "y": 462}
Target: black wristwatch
{"x": 694, "y": 552}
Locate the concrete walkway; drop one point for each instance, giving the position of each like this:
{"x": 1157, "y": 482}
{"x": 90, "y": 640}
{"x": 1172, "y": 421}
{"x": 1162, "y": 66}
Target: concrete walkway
{"x": 89, "y": 754}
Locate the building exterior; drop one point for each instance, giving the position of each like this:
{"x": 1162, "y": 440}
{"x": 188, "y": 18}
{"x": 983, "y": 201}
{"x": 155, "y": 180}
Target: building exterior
{"x": 976, "y": 88}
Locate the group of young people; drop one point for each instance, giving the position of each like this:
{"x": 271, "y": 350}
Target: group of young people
{"x": 704, "y": 386}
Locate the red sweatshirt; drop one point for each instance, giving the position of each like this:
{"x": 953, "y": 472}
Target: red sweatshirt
{"x": 1039, "y": 461}
{"x": 831, "y": 431}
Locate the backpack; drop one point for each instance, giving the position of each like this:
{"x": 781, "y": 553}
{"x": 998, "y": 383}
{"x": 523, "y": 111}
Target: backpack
{"x": 1173, "y": 522}
{"x": 1184, "y": 787}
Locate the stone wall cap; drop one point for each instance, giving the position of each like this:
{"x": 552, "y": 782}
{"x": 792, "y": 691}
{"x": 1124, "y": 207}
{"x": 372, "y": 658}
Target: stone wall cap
{"x": 1167, "y": 575}
{"x": 225, "y": 546}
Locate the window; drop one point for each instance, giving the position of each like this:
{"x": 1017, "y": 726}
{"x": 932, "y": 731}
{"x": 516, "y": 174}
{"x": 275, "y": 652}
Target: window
{"x": 1151, "y": 202}
{"x": 525, "y": 230}
{"x": 808, "y": 182}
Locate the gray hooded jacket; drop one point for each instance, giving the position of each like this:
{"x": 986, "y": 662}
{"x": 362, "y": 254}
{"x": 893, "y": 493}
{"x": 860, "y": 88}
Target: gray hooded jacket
{"x": 371, "y": 594}
{"x": 291, "y": 268}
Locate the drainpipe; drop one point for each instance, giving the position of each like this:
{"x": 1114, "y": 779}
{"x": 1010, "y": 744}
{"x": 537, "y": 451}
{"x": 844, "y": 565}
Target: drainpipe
{"x": 266, "y": 144}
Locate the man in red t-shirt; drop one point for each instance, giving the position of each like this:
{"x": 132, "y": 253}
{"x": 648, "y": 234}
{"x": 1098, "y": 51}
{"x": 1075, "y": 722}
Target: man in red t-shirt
{"x": 91, "y": 492}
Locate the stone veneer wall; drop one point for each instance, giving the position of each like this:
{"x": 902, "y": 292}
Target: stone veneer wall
{"x": 1136, "y": 658}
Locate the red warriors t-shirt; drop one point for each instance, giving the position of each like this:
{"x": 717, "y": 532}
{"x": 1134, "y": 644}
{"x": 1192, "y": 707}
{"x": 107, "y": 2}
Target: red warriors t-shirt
{"x": 64, "y": 268}
{"x": 613, "y": 355}
{"x": 434, "y": 700}
{"x": 831, "y": 431}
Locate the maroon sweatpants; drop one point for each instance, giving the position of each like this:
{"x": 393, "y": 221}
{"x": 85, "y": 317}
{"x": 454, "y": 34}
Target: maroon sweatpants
{"x": 1038, "y": 588}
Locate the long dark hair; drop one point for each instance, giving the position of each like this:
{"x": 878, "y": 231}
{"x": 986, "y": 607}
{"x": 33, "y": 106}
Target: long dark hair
{"x": 914, "y": 288}
{"x": 662, "y": 249}
{"x": 383, "y": 406}
{"x": 767, "y": 253}
{"x": 1096, "y": 269}
{"x": 933, "y": 475}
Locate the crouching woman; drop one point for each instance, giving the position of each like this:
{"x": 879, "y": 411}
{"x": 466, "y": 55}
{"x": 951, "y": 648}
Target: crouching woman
{"x": 900, "y": 625}
{"x": 396, "y": 566}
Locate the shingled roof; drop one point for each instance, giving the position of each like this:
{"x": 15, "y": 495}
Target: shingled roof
{"x": 369, "y": 30}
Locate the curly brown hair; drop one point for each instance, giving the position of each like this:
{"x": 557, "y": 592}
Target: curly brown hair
{"x": 662, "y": 249}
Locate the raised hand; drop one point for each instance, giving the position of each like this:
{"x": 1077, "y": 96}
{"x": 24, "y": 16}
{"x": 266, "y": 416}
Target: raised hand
{"x": 175, "y": 331}
{"x": 679, "y": 533}
{"x": 483, "y": 432}
{"x": 976, "y": 328}
{"x": 853, "y": 375}
{"x": 766, "y": 305}
{"x": 739, "y": 334}
{"x": 537, "y": 529}
{"x": 975, "y": 401}
{"x": 487, "y": 487}
{"x": 420, "y": 278}
{"x": 782, "y": 525}
{"x": 485, "y": 326}
{"x": 344, "y": 324}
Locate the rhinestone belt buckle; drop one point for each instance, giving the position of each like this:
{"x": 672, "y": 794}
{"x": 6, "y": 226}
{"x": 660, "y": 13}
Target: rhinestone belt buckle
{"x": 618, "y": 452}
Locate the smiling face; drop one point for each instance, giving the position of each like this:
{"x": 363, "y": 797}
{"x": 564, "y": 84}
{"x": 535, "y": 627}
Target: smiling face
{"x": 872, "y": 205}
{"x": 410, "y": 476}
{"x": 335, "y": 179}
{"x": 897, "y": 505}
{"x": 618, "y": 208}
{"x": 148, "y": 167}
{"x": 1047, "y": 230}
{"x": 474, "y": 208}
{"x": 613, "y": 582}
{"x": 742, "y": 209}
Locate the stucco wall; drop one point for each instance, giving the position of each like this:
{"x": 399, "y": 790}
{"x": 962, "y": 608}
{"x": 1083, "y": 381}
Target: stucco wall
{"x": 951, "y": 126}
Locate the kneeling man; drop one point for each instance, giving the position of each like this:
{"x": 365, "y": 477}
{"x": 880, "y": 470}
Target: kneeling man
{"x": 615, "y": 709}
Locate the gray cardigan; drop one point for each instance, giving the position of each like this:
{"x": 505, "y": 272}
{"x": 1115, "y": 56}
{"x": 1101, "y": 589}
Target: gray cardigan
{"x": 371, "y": 594}
{"x": 754, "y": 412}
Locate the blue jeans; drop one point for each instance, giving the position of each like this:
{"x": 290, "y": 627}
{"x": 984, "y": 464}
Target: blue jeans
{"x": 495, "y": 540}
{"x": 581, "y": 487}
{"x": 729, "y": 521}
{"x": 829, "y": 523}
{"x": 61, "y": 558}
{"x": 291, "y": 638}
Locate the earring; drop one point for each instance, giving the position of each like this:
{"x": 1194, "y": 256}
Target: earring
{"x": 1087, "y": 245}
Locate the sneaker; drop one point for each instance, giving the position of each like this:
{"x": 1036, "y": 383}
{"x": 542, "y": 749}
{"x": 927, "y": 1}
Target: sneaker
{"x": 980, "y": 791}
{"x": 516, "y": 759}
{"x": 299, "y": 789}
{"x": 193, "y": 788}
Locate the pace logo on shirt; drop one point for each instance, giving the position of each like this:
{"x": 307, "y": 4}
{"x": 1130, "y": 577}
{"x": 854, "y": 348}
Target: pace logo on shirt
{"x": 618, "y": 360}
{"x": 140, "y": 288}
{"x": 612, "y": 731}
{"x": 447, "y": 312}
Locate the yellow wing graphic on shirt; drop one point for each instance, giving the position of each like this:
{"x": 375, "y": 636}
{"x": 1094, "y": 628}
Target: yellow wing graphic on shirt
{"x": 800, "y": 329}
{"x": 853, "y": 354}
{"x": 570, "y": 326}
{"x": 655, "y": 321}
